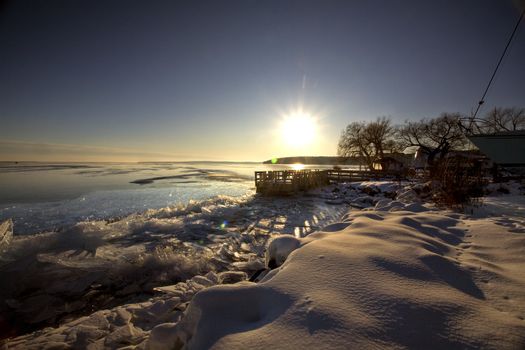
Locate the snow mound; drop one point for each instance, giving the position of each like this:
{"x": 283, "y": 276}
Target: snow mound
{"x": 279, "y": 248}
{"x": 390, "y": 279}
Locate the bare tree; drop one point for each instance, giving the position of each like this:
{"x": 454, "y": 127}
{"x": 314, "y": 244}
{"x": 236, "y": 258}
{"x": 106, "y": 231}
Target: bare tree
{"x": 434, "y": 137}
{"x": 370, "y": 141}
{"x": 497, "y": 120}
{"x": 503, "y": 119}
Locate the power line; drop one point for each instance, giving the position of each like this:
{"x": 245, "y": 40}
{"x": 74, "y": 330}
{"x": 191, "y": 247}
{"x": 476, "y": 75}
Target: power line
{"x": 482, "y": 100}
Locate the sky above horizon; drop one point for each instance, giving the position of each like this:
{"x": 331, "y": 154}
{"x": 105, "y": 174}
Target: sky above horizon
{"x": 212, "y": 80}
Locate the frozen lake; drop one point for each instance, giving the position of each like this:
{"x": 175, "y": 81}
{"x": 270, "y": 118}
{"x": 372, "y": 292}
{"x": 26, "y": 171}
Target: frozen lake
{"x": 49, "y": 196}
{"x": 41, "y": 196}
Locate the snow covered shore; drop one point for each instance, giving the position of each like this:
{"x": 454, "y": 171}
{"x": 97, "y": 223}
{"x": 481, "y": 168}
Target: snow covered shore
{"x": 398, "y": 274}
{"x": 52, "y": 278}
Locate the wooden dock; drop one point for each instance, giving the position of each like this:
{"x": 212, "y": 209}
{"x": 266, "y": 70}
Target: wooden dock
{"x": 290, "y": 181}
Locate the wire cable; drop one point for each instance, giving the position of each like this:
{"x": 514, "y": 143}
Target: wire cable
{"x": 482, "y": 100}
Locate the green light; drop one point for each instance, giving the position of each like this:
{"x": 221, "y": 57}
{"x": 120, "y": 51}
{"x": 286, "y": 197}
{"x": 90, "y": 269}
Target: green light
{"x": 274, "y": 160}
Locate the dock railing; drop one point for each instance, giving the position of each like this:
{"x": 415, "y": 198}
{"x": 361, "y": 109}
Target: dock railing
{"x": 289, "y": 181}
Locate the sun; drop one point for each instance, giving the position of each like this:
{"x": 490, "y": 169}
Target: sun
{"x": 298, "y": 129}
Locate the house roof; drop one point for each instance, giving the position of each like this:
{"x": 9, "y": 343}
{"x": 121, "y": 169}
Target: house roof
{"x": 506, "y": 148}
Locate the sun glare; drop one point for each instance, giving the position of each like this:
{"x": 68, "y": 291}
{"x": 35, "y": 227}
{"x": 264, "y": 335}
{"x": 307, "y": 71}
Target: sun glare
{"x": 297, "y": 166}
{"x": 298, "y": 129}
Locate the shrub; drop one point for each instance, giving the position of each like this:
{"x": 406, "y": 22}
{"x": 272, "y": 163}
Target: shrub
{"x": 459, "y": 182}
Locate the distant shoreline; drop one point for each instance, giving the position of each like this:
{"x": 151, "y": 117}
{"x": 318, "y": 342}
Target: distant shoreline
{"x": 314, "y": 160}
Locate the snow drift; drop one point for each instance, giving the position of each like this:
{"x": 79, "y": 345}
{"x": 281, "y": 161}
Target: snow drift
{"x": 402, "y": 277}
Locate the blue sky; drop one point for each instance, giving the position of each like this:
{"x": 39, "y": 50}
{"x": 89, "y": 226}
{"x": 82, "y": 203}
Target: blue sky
{"x": 170, "y": 80}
